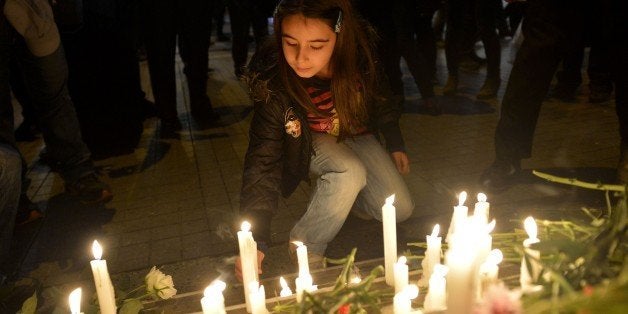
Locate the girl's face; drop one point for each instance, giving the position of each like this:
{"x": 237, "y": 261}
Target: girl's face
{"x": 308, "y": 44}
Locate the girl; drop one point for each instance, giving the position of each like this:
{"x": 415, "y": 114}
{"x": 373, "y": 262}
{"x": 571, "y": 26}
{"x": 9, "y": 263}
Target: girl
{"x": 318, "y": 108}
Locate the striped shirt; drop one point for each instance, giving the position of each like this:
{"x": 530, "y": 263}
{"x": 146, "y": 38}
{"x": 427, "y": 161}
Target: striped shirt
{"x": 326, "y": 120}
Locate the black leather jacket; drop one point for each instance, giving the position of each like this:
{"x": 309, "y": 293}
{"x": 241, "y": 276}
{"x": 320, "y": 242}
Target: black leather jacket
{"x": 278, "y": 155}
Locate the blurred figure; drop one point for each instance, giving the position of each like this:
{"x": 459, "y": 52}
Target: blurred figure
{"x": 480, "y": 14}
{"x": 218, "y": 16}
{"x": 186, "y": 24}
{"x": 43, "y": 68}
{"x": 244, "y": 15}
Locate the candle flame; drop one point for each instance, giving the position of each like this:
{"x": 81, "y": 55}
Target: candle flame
{"x": 402, "y": 260}
{"x": 440, "y": 270}
{"x": 75, "y": 301}
{"x": 481, "y": 197}
{"x": 246, "y": 226}
{"x": 495, "y": 257}
{"x": 283, "y": 283}
{"x": 491, "y": 226}
{"x": 411, "y": 291}
{"x": 217, "y": 286}
{"x": 531, "y": 228}
{"x": 462, "y": 198}
{"x": 436, "y": 230}
{"x": 97, "y": 250}
{"x": 297, "y": 243}
{"x": 390, "y": 200}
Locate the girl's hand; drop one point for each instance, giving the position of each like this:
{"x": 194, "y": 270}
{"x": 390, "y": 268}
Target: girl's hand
{"x": 401, "y": 161}
{"x": 238, "y": 265}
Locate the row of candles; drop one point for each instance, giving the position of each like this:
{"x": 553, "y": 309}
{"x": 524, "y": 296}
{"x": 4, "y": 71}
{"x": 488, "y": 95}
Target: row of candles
{"x": 470, "y": 267}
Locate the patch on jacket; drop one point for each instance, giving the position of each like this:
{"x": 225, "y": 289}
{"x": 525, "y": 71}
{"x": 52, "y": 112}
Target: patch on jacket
{"x": 292, "y": 123}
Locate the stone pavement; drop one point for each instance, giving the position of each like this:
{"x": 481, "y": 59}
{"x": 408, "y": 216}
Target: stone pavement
{"x": 176, "y": 200}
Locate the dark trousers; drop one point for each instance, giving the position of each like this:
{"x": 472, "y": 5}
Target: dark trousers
{"x": 468, "y": 19}
{"x": 188, "y": 24}
{"x": 244, "y": 15}
{"x": 549, "y": 27}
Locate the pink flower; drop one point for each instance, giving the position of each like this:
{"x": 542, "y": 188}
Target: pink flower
{"x": 498, "y": 299}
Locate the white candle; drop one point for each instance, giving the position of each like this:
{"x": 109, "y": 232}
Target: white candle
{"x": 248, "y": 259}
{"x": 389, "y": 221}
{"x": 525, "y": 278}
{"x": 213, "y": 302}
{"x": 303, "y": 283}
{"x": 258, "y": 298}
{"x": 304, "y": 267}
{"x": 401, "y": 274}
{"x": 102, "y": 281}
{"x": 481, "y": 208}
{"x": 75, "y": 301}
{"x": 460, "y": 215}
{"x": 285, "y": 289}
{"x": 461, "y": 259}
{"x": 489, "y": 270}
{"x": 402, "y": 302}
{"x": 432, "y": 255}
{"x": 436, "y": 298}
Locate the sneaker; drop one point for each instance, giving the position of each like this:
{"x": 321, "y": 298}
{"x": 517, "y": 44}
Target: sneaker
{"x": 451, "y": 87}
{"x": 90, "y": 190}
{"x": 500, "y": 176}
{"x": 489, "y": 89}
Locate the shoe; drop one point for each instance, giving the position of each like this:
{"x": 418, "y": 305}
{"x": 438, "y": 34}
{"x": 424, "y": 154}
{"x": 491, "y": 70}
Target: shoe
{"x": 315, "y": 261}
{"x": 451, "y": 87}
{"x": 598, "y": 96}
{"x": 27, "y": 212}
{"x": 90, "y": 190}
{"x": 622, "y": 166}
{"x": 500, "y": 176}
{"x": 489, "y": 89}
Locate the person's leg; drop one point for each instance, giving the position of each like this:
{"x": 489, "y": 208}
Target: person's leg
{"x": 341, "y": 176}
{"x": 194, "y": 20}
{"x": 569, "y": 77}
{"x": 486, "y": 15}
{"x": 599, "y": 70}
{"x": 453, "y": 42}
{"x": 10, "y": 182}
{"x": 160, "y": 41}
{"x": 240, "y": 24}
{"x": 382, "y": 179}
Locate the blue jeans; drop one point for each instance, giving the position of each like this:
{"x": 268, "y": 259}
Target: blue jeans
{"x": 356, "y": 170}
{"x": 10, "y": 184}
{"x": 46, "y": 80}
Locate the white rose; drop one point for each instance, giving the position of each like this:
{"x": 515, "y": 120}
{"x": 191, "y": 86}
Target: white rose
{"x": 160, "y": 284}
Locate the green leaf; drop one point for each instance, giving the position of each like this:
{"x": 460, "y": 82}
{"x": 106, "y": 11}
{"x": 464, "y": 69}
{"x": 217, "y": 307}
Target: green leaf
{"x": 30, "y": 305}
{"x": 132, "y": 306}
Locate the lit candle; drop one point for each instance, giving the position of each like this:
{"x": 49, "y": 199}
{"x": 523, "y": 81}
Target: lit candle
{"x": 213, "y": 302}
{"x": 436, "y": 298}
{"x": 303, "y": 283}
{"x": 432, "y": 255}
{"x": 389, "y": 221}
{"x": 402, "y": 302}
{"x": 285, "y": 289}
{"x": 481, "y": 208}
{"x": 102, "y": 281}
{"x": 75, "y": 301}
{"x": 461, "y": 259}
{"x": 258, "y": 298}
{"x": 526, "y": 279}
{"x": 401, "y": 274}
{"x": 304, "y": 267}
{"x": 248, "y": 259}
{"x": 460, "y": 215}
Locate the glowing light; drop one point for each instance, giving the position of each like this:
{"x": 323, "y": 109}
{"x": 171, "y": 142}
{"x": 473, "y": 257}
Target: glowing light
{"x": 96, "y": 250}
{"x": 462, "y": 198}
{"x": 246, "y": 226}
{"x": 75, "y": 301}
{"x": 390, "y": 200}
{"x": 435, "y": 231}
{"x": 531, "y": 228}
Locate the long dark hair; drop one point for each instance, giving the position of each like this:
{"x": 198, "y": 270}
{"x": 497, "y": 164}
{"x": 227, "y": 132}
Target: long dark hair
{"x": 352, "y": 63}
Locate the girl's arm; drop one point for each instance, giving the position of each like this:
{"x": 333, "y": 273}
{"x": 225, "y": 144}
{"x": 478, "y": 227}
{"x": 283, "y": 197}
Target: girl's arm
{"x": 261, "y": 181}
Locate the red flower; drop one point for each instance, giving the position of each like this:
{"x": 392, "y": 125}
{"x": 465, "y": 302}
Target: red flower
{"x": 345, "y": 309}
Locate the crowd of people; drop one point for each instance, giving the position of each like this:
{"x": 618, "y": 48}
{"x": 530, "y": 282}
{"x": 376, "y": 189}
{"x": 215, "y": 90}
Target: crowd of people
{"x": 324, "y": 83}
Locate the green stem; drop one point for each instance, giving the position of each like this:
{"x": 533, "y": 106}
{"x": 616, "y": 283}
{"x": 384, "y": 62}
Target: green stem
{"x": 582, "y": 184}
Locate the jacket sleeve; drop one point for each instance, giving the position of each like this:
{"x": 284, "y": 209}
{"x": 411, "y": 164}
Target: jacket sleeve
{"x": 261, "y": 182}
{"x": 385, "y": 112}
